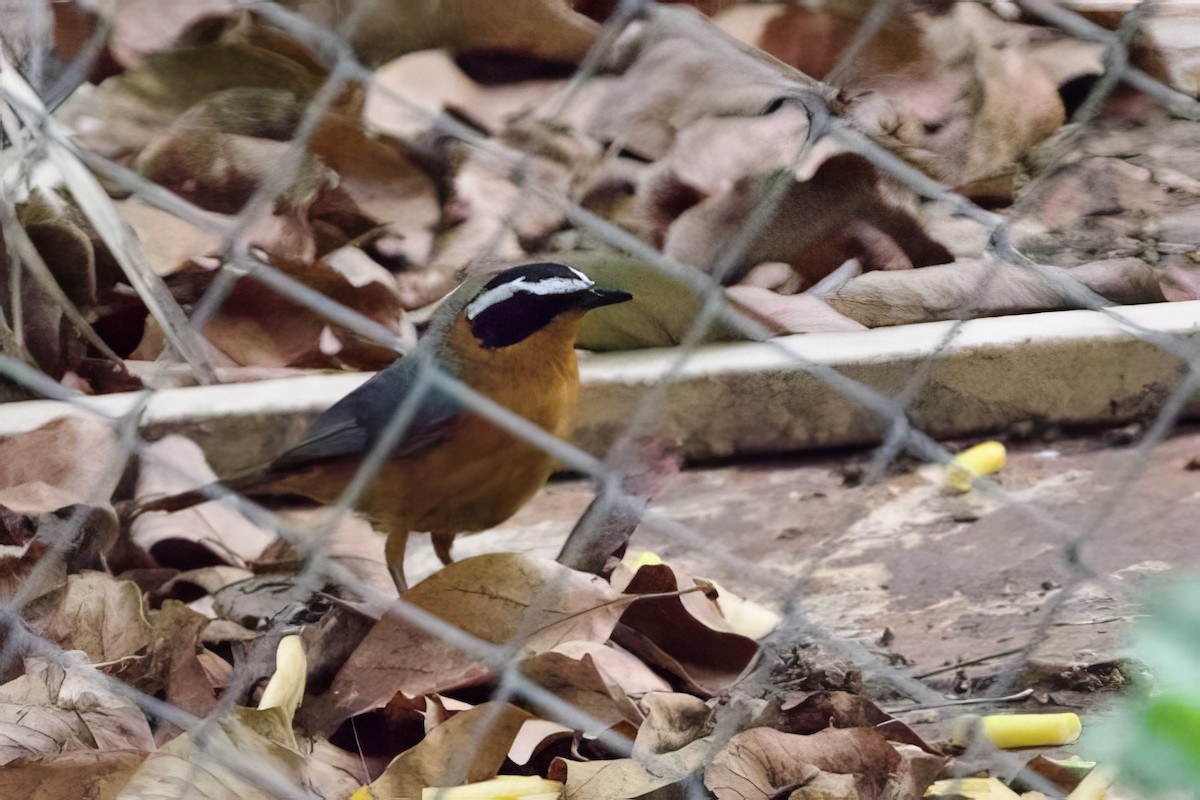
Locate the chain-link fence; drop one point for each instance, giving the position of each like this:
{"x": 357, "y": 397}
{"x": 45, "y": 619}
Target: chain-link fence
{"x": 827, "y": 184}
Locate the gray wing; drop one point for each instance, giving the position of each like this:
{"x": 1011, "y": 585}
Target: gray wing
{"x": 353, "y": 424}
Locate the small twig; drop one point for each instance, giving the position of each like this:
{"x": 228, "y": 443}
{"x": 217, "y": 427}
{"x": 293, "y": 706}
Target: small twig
{"x": 968, "y": 663}
{"x": 970, "y": 701}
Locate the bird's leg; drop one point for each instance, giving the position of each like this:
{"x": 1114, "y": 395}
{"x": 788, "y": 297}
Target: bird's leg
{"x": 393, "y": 553}
{"x": 442, "y": 542}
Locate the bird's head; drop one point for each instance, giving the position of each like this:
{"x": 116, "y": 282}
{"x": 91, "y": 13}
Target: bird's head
{"x": 520, "y": 301}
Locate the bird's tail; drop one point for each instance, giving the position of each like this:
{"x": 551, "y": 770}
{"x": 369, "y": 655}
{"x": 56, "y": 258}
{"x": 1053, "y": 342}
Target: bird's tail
{"x": 132, "y": 509}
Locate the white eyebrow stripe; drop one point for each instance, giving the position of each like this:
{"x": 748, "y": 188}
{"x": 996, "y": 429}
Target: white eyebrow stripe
{"x": 504, "y": 291}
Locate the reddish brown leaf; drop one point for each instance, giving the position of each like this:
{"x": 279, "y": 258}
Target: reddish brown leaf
{"x": 668, "y": 634}
{"x": 499, "y": 598}
{"x": 758, "y": 763}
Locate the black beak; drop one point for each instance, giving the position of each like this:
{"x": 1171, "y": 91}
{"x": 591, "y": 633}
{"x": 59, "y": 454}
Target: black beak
{"x": 596, "y": 297}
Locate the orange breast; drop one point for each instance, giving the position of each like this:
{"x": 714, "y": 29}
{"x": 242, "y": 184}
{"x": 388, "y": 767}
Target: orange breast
{"x": 479, "y": 475}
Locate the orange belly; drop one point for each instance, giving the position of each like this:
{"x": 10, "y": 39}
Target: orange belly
{"x": 477, "y": 475}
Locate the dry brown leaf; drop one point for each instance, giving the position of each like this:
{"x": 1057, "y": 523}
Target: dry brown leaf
{"x": 220, "y": 171}
{"x": 546, "y": 29}
{"x": 77, "y": 773}
{"x": 759, "y": 763}
{"x": 140, "y": 27}
{"x": 495, "y": 217}
{"x": 354, "y": 544}
{"x": 94, "y": 613}
{"x": 684, "y": 635}
{"x": 535, "y": 738}
{"x": 581, "y": 683}
{"x": 255, "y": 325}
{"x": 125, "y": 113}
{"x": 846, "y": 215}
{"x": 628, "y": 778}
{"x": 678, "y": 70}
{"x": 171, "y": 667}
{"x": 383, "y": 182}
{"x": 68, "y": 539}
{"x": 61, "y": 241}
{"x": 50, "y": 455}
{"x": 333, "y": 771}
{"x": 795, "y": 313}
{"x": 470, "y": 746}
{"x": 958, "y": 90}
{"x": 821, "y": 710}
{"x": 210, "y": 533}
{"x": 168, "y": 242}
{"x": 500, "y": 598}
{"x": 233, "y": 52}
{"x": 618, "y": 667}
{"x": 52, "y": 709}
{"x": 673, "y": 721}
{"x": 232, "y": 761}
{"x": 1180, "y": 279}
{"x": 974, "y": 288}
{"x": 430, "y": 81}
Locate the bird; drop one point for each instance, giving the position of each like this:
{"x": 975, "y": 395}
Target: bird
{"x": 510, "y": 337}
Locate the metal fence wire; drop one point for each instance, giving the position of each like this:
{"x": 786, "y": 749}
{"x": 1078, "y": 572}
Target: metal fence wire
{"x": 728, "y": 81}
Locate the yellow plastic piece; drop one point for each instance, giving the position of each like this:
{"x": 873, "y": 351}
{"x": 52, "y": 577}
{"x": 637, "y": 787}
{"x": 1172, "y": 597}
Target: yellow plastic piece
{"x": 286, "y": 687}
{"x": 746, "y": 616}
{"x": 1009, "y": 731}
{"x": 982, "y": 459}
{"x": 1094, "y": 784}
{"x": 502, "y": 787}
{"x": 646, "y": 559}
{"x": 974, "y": 788}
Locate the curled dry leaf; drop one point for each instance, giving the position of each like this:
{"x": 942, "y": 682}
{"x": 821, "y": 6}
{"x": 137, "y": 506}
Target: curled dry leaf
{"x": 207, "y": 534}
{"x": 140, "y": 27}
{"x": 684, "y": 635}
{"x": 470, "y": 746}
{"x": 499, "y": 598}
{"x": 50, "y": 455}
{"x": 760, "y": 763}
{"x": 170, "y": 243}
{"x": 47, "y": 229}
{"x": 55, "y": 709}
{"x": 619, "y": 668}
{"x": 677, "y": 70}
{"x": 673, "y": 721}
{"x": 76, "y": 773}
{"x": 196, "y": 585}
{"x": 546, "y": 29}
{"x": 94, "y": 613}
{"x": 495, "y": 217}
{"x": 973, "y": 288}
{"x": 258, "y": 326}
{"x": 821, "y": 710}
{"x": 58, "y": 543}
{"x": 171, "y": 667}
{"x": 581, "y": 683}
{"x": 796, "y": 313}
{"x": 430, "y": 83}
{"x": 382, "y": 181}
{"x": 225, "y": 760}
{"x": 670, "y": 746}
{"x": 956, "y": 89}
{"x": 722, "y": 152}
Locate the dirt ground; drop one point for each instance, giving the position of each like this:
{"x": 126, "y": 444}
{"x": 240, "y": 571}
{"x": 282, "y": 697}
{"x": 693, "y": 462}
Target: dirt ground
{"x": 925, "y": 578}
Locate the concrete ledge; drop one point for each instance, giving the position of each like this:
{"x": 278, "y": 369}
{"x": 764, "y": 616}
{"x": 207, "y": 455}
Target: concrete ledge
{"x": 1063, "y": 367}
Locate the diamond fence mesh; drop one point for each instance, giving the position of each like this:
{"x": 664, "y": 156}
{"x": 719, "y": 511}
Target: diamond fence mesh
{"x": 631, "y": 49}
